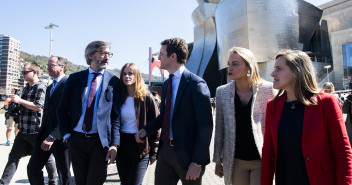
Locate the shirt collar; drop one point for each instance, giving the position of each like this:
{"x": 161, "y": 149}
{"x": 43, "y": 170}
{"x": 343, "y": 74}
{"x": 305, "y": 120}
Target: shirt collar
{"x": 59, "y": 78}
{"x": 92, "y": 71}
{"x": 179, "y": 72}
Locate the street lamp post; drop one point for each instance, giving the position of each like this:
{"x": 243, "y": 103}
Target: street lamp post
{"x": 51, "y": 26}
{"x": 327, "y": 71}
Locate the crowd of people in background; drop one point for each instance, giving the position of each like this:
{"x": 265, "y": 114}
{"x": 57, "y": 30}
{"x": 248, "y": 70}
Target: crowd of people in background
{"x": 285, "y": 132}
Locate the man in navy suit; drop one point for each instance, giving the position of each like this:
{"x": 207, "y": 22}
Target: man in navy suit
{"x": 49, "y": 140}
{"x": 89, "y": 116}
{"x": 185, "y": 120}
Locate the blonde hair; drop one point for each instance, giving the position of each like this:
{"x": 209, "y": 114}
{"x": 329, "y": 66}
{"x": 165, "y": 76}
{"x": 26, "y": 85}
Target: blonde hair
{"x": 251, "y": 62}
{"x": 328, "y": 85}
{"x": 306, "y": 86}
{"x": 140, "y": 89}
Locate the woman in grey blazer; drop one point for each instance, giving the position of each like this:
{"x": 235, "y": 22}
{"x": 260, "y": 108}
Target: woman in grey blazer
{"x": 240, "y": 117}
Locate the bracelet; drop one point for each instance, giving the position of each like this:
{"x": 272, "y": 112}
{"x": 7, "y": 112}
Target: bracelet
{"x": 197, "y": 165}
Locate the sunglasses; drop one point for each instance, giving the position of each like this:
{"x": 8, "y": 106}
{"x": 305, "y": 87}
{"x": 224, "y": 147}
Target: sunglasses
{"x": 26, "y": 72}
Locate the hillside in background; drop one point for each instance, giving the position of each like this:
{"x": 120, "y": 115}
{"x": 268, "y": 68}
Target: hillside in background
{"x": 71, "y": 67}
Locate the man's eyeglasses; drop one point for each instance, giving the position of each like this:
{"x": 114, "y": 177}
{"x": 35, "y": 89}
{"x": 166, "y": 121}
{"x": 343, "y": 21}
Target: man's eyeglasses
{"x": 103, "y": 53}
{"x": 51, "y": 65}
{"x": 26, "y": 72}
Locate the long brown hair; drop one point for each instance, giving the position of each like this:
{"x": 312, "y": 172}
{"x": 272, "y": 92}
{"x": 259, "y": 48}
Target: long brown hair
{"x": 140, "y": 89}
{"x": 306, "y": 86}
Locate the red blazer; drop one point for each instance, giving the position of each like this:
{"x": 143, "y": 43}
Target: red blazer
{"x": 325, "y": 144}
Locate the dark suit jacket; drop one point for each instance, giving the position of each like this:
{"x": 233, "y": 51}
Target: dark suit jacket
{"x": 325, "y": 145}
{"x": 108, "y": 110}
{"x": 192, "y": 121}
{"x": 49, "y": 121}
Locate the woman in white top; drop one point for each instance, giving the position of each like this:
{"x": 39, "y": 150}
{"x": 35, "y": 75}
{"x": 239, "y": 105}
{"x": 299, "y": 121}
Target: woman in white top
{"x": 138, "y": 108}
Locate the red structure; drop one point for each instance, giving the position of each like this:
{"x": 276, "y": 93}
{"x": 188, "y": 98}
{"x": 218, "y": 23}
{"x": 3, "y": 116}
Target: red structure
{"x": 153, "y": 63}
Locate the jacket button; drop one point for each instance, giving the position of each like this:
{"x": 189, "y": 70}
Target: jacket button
{"x": 307, "y": 158}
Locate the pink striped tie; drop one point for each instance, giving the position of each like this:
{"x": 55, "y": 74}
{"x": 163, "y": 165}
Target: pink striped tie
{"x": 88, "y": 117}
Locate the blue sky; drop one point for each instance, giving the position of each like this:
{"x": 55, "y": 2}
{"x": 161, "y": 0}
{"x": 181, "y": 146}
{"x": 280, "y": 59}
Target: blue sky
{"x": 131, "y": 26}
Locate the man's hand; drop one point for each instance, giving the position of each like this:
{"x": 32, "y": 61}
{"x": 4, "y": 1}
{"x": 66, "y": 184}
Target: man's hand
{"x": 193, "y": 172}
{"x": 219, "y": 171}
{"x": 152, "y": 160}
{"x": 140, "y": 135}
{"x": 47, "y": 143}
{"x": 16, "y": 99}
{"x": 111, "y": 155}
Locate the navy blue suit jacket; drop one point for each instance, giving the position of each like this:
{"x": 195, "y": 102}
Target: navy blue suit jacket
{"x": 49, "y": 121}
{"x": 192, "y": 121}
{"x": 108, "y": 110}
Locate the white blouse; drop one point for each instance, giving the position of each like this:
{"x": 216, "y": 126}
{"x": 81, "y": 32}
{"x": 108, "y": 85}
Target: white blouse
{"x": 128, "y": 117}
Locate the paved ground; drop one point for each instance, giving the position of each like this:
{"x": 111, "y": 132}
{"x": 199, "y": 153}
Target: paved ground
{"x": 20, "y": 176}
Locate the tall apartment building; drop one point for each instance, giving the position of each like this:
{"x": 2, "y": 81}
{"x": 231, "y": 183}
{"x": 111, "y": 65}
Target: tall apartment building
{"x": 10, "y": 66}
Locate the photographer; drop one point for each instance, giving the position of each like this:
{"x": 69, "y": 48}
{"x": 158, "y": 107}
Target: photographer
{"x": 32, "y": 103}
{"x": 347, "y": 109}
{"x": 10, "y": 117}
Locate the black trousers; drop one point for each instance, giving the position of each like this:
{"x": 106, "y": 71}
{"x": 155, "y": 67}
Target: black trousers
{"x": 40, "y": 157}
{"x": 130, "y": 165}
{"x": 23, "y": 146}
{"x": 88, "y": 159}
{"x": 169, "y": 171}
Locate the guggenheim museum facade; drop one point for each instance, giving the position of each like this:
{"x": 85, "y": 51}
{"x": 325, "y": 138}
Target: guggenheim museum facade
{"x": 265, "y": 27}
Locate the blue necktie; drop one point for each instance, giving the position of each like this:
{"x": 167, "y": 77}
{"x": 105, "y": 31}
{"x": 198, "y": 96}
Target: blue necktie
{"x": 53, "y": 87}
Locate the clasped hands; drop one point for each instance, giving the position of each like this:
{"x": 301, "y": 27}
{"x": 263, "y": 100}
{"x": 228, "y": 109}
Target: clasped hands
{"x": 193, "y": 170}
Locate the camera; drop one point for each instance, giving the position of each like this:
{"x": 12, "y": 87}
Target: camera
{"x": 14, "y": 110}
{"x": 349, "y": 97}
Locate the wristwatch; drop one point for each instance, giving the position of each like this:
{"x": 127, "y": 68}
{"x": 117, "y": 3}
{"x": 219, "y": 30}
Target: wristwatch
{"x": 117, "y": 146}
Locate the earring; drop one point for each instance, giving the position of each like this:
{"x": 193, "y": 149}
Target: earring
{"x": 249, "y": 74}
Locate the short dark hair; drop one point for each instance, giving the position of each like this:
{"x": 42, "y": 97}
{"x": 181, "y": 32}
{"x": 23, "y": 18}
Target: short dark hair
{"x": 93, "y": 46}
{"x": 33, "y": 66}
{"x": 61, "y": 62}
{"x": 177, "y": 46}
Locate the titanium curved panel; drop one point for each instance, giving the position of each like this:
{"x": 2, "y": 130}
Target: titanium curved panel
{"x": 197, "y": 52}
{"x": 209, "y": 45}
{"x": 208, "y": 1}
{"x": 204, "y": 38}
{"x": 309, "y": 17}
{"x": 203, "y": 12}
{"x": 231, "y": 27}
{"x": 263, "y": 26}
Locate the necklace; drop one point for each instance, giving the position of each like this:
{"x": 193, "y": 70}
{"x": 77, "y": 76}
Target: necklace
{"x": 293, "y": 106}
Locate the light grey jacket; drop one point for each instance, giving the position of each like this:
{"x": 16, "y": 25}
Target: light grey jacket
{"x": 225, "y": 129}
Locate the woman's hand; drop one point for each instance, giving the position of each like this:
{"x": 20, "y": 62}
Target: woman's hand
{"x": 219, "y": 171}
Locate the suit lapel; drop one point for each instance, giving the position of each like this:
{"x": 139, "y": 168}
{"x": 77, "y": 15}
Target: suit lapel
{"x": 279, "y": 106}
{"x": 307, "y": 123}
{"x": 181, "y": 88}
{"x": 104, "y": 83}
{"x": 231, "y": 98}
{"x": 62, "y": 81}
{"x": 83, "y": 83}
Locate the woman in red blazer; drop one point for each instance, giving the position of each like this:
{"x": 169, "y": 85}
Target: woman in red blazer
{"x": 305, "y": 139}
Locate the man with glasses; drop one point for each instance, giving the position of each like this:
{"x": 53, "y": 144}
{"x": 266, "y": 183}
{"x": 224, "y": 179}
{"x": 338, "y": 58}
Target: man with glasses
{"x": 49, "y": 140}
{"x": 32, "y": 103}
{"x": 89, "y": 116}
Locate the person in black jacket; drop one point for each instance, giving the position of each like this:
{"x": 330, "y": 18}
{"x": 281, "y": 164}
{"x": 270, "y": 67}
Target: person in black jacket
{"x": 48, "y": 142}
